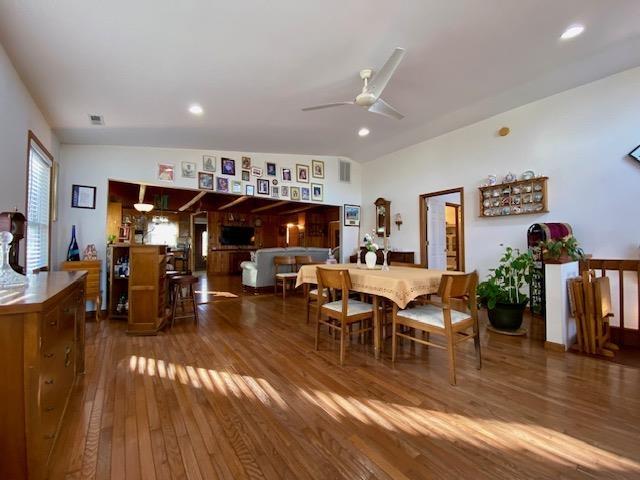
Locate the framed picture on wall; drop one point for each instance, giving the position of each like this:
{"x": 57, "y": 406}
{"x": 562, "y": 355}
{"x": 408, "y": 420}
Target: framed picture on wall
{"x": 228, "y": 166}
{"x": 256, "y": 171}
{"x": 246, "y": 163}
{"x": 317, "y": 190}
{"x": 275, "y": 192}
{"x": 302, "y": 173}
{"x": 209, "y": 163}
{"x": 286, "y": 174}
{"x": 236, "y": 186}
{"x": 250, "y": 190}
{"x": 189, "y": 170}
{"x": 166, "y": 172}
{"x": 205, "y": 181}
{"x": 304, "y": 193}
{"x": 271, "y": 169}
{"x": 245, "y": 175}
{"x": 222, "y": 184}
{"x": 83, "y": 196}
{"x": 295, "y": 193}
{"x": 317, "y": 168}
{"x": 263, "y": 186}
{"x": 284, "y": 191}
{"x": 351, "y": 215}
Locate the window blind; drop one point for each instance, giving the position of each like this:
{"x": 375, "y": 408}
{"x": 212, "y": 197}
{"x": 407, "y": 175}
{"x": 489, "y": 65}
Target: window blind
{"x": 38, "y": 209}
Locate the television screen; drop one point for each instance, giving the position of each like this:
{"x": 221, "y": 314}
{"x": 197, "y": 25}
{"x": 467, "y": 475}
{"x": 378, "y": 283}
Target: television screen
{"x": 237, "y": 236}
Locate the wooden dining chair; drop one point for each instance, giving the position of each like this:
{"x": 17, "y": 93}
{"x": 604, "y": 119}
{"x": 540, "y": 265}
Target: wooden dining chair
{"x": 443, "y": 318}
{"x": 286, "y": 277}
{"x": 340, "y": 314}
{"x": 302, "y": 260}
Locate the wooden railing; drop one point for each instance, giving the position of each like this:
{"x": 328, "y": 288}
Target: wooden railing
{"x": 627, "y": 331}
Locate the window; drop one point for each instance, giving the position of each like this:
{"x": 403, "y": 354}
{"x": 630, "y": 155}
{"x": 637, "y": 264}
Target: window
{"x": 38, "y": 205}
{"x": 162, "y": 234}
{"x": 205, "y": 242}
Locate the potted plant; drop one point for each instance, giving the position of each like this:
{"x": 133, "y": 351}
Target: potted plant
{"x": 502, "y": 293}
{"x": 562, "y": 250}
{"x": 370, "y": 257}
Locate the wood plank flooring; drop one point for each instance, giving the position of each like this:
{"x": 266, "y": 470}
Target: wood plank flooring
{"x": 244, "y": 395}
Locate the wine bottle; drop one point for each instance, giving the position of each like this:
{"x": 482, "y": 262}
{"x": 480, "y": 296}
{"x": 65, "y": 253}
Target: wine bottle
{"x": 73, "y": 252}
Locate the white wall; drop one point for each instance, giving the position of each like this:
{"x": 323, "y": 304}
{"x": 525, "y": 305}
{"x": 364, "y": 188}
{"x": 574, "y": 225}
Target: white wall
{"x": 18, "y": 115}
{"x": 579, "y": 138}
{"x": 96, "y": 165}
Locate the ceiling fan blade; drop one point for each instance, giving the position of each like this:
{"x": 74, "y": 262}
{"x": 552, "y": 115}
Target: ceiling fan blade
{"x": 382, "y": 77}
{"x": 383, "y": 108}
{"x": 328, "y": 105}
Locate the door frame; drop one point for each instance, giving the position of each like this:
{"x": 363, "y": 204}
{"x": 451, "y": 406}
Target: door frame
{"x": 457, "y": 209}
{"x": 192, "y": 250}
{"x": 424, "y": 248}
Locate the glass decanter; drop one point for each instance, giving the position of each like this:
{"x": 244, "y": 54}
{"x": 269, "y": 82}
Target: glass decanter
{"x": 8, "y": 277}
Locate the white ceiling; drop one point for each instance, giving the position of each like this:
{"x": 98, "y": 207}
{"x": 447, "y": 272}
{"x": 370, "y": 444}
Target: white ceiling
{"x": 252, "y": 65}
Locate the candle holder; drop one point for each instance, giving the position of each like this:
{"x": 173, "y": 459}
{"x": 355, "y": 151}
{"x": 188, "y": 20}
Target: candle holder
{"x": 385, "y": 265}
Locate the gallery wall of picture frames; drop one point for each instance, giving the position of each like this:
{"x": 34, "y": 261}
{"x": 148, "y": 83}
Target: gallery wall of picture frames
{"x": 297, "y": 182}
{"x": 512, "y": 197}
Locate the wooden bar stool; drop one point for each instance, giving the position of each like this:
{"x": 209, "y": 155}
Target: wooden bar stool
{"x": 178, "y": 284}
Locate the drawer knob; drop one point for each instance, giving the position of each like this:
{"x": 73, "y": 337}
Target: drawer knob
{"x": 53, "y": 323}
{"x": 49, "y": 409}
{"x": 48, "y": 381}
{"x": 48, "y": 355}
{"x": 49, "y": 436}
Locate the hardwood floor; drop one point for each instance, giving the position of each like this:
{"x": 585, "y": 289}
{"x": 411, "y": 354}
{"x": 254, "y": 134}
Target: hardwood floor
{"x": 244, "y": 395}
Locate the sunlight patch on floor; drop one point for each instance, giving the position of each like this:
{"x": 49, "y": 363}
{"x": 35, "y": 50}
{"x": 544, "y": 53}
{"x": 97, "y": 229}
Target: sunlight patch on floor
{"x": 216, "y": 294}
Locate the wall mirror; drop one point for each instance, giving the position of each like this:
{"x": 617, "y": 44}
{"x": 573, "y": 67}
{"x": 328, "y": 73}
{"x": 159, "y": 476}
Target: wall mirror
{"x": 383, "y": 217}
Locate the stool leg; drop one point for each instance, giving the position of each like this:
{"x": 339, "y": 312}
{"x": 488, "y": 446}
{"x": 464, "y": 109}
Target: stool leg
{"x": 173, "y": 307}
{"x": 195, "y": 307}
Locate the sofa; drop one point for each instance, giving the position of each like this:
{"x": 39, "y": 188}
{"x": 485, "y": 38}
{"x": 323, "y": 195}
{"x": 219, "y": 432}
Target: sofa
{"x": 260, "y": 271}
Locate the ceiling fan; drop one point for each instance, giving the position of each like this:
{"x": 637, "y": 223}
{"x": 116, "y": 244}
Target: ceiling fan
{"x": 372, "y": 89}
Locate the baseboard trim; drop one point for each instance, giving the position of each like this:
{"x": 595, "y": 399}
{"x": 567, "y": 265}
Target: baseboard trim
{"x": 554, "y": 347}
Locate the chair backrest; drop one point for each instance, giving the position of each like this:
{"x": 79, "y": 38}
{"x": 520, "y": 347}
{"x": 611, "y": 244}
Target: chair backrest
{"x": 334, "y": 279}
{"x": 304, "y": 260}
{"x": 283, "y": 261}
{"x": 456, "y": 290}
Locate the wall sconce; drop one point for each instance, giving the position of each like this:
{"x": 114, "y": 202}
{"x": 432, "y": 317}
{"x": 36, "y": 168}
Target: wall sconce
{"x": 398, "y": 220}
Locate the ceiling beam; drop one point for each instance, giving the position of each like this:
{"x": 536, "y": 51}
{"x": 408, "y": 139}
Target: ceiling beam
{"x": 268, "y": 207}
{"x": 192, "y": 201}
{"x": 143, "y": 189}
{"x": 298, "y": 210}
{"x": 234, "y": 202}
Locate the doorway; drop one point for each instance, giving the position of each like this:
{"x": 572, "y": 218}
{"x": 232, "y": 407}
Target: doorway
{"x": 442, "y": 229}
{"x": 200, "y": 241}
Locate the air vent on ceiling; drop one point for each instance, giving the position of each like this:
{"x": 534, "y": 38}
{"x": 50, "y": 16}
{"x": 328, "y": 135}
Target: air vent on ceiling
{"x": 96, "y": 119}
{"x": 345, "y": 171}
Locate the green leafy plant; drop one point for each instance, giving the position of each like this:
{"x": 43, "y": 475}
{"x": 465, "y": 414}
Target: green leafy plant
{"x": 505, "y": 283}
{"x": 555, "y": 249}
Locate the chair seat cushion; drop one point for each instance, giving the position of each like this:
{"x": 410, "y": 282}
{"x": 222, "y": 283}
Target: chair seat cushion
{"x": 431, "y": 315}
{"x": 355, "y": 307}
{"x": 325, "y": 292}
{"x": 287, "y": 275}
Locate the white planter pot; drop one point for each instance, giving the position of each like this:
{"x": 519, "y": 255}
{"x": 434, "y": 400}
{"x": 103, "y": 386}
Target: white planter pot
{"x": 370, "y": 259}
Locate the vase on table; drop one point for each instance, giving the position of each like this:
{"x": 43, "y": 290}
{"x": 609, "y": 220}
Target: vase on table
{"x": 73, "y": 252}
{"x": 370, "y": 259}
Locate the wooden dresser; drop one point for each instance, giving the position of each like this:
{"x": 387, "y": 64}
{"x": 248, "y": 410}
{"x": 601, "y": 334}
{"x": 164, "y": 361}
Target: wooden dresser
{"x": 41, "y": 355}
{"x": 92, "y": 288}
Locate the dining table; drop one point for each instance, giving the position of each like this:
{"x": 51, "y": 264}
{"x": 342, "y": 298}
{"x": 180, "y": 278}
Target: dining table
{"x": 398, "y": 284}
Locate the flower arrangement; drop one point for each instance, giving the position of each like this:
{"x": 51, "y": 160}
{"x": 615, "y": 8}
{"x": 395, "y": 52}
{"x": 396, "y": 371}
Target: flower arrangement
{"x": 369, "y": 244}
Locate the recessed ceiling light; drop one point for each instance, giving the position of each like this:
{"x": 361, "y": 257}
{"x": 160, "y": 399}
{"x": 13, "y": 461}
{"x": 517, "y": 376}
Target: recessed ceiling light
{"x": 363, "y": 132}
{"x": 196, "y": 109}
{"x": 572, "y": 31}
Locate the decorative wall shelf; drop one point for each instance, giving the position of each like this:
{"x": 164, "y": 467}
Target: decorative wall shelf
{"x": 522, "y": 197}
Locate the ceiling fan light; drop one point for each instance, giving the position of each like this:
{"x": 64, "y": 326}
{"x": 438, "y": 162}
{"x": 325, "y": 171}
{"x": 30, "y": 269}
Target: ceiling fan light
{"x": 143, "y": 207}
{"x": 363, "y": 132}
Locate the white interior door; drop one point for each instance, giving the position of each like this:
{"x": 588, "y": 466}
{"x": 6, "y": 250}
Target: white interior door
{"x": 436, "y": 234}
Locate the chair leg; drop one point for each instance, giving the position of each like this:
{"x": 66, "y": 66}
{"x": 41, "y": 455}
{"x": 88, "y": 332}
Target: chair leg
{"x": 476, "y": 344}
{"x": 342, "y": 342}
{"x": 451, "y": 350}
{"x": 394, "y": 341}
{"x": 275, "y": 287}
{"x": 284, "y": 289}
{"x": 317, "y": 328}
